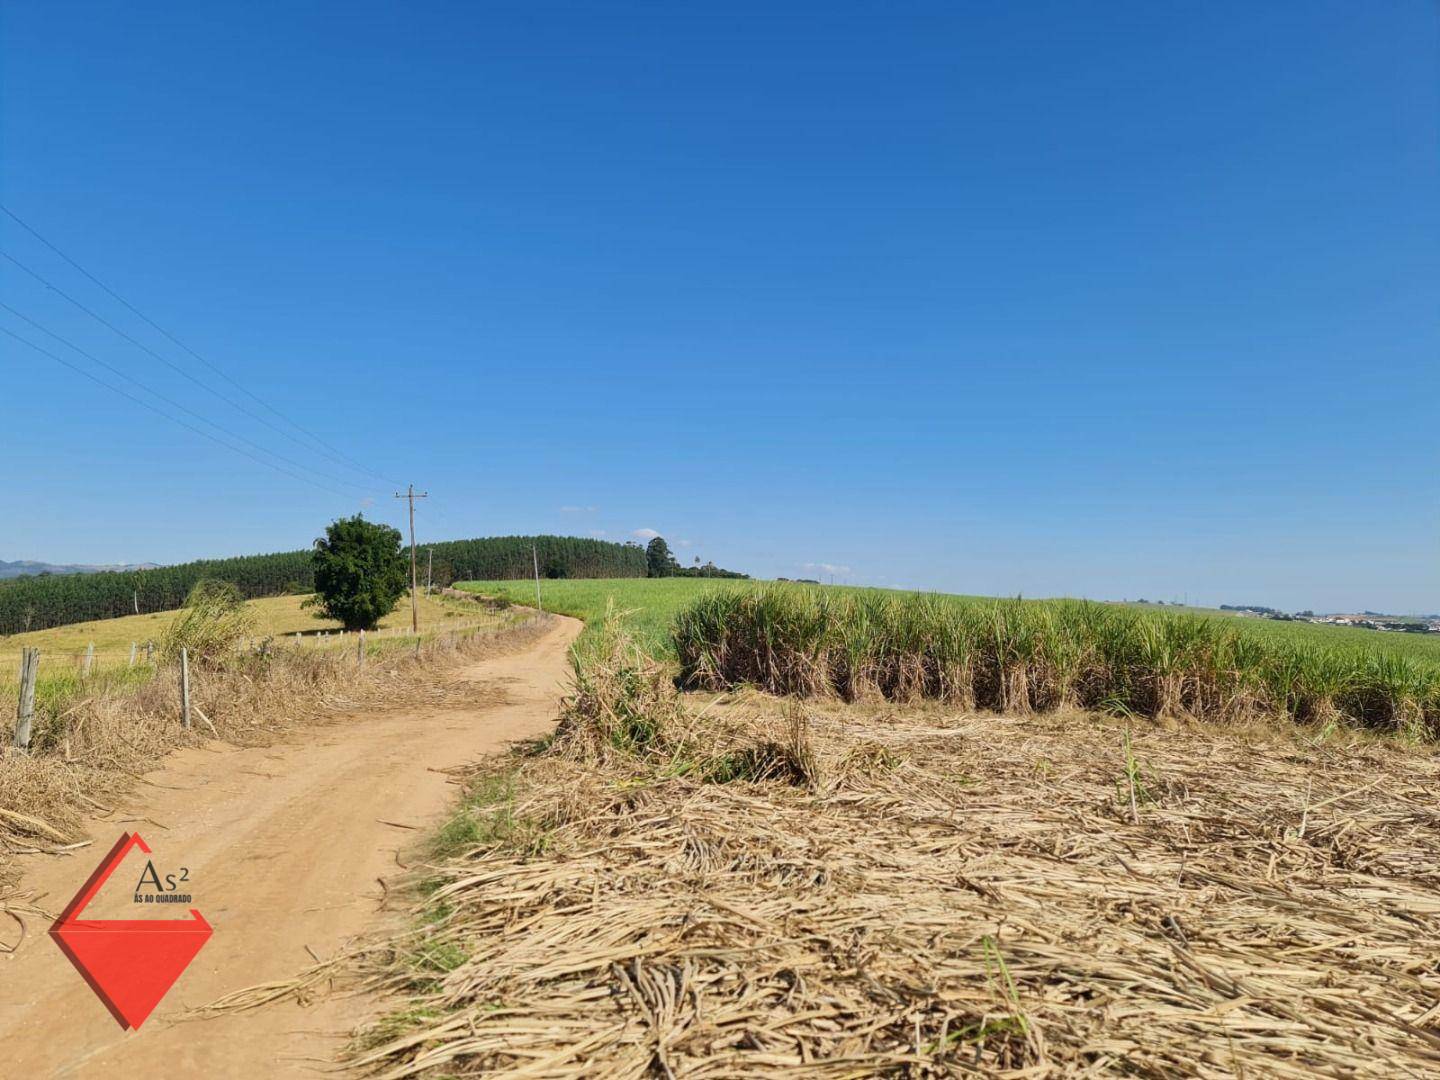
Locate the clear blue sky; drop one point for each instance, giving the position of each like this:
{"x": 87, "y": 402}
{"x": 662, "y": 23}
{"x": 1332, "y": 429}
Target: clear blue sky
{"x": 1103, "y": 299}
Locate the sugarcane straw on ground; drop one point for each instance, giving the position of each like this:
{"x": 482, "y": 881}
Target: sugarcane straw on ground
{"x": 747, "y": 886}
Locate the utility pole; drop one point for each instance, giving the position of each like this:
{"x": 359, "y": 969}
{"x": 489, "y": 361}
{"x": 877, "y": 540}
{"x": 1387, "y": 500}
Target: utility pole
{"x": 535, "y": 558}
{"x": 410, "y": 497}
{"x": 429, "y": 570}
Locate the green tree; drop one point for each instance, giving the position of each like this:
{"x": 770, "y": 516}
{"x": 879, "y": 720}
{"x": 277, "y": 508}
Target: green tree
{"x": 658, "y": 560}
{"x": 359, "y": 572}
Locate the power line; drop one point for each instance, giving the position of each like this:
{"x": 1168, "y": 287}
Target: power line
{"x": 146, "y": 349}
{"x": 180, "y": 405}
{"x": 332, "y": 452}
{"x": 174, "y": 419}
{"x": 336, "y": 454}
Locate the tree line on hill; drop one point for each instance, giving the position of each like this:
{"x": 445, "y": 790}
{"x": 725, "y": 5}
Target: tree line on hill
{"x": 661, "y": 562}
{"x": 43, "y": 601}
{"x": 502, "y": 558}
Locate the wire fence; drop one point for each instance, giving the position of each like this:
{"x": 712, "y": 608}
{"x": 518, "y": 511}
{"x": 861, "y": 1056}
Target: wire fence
{"x": 92, "y": 660}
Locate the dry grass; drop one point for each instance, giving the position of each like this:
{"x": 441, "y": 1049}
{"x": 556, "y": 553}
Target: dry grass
{"x": 921, "y": 891}
{"x": 88, "y": 748}
{"x": 62, "y": 648}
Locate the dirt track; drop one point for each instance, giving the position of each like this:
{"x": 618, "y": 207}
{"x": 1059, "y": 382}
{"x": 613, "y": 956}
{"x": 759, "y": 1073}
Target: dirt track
{"x": 284, "y": 845}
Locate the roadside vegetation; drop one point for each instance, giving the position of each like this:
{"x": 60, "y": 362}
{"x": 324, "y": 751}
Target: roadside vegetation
{"x": 95, "y": 726}
{"x": 211, "y": 627}
{"x": 736, "y": 884}
{"x": 63, "y": 648}
{"x": 646, "y": 606}
{"x": 93, "y": 735}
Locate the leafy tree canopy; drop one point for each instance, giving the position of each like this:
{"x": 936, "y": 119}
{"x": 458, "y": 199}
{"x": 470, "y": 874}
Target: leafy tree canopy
{"x": 359, "y": 572}
{"x": 658, "y": 560}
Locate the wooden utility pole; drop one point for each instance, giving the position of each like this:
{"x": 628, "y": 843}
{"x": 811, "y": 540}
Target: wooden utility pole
{"x": 535, "y": 557}
{"x": 410, "y": 497}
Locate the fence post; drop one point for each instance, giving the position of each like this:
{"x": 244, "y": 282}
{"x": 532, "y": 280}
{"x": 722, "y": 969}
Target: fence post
{"x": 133, "y": 647}
{"x": 29, "y": 668}
{"x": 360, "y": 652}
{"x": 89, "y": 658}
{"x": 185, "y": 688}
{"x": 149, "y": 652}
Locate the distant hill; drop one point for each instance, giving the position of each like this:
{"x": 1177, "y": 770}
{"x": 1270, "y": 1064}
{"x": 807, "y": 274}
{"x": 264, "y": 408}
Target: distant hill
{"x": 22, "y": 567}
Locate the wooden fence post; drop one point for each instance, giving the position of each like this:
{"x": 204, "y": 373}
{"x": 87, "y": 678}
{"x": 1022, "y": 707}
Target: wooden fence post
{"x": 149, "y": 652}
{"x": 89, "y": 658}
{"x": 133, "y": 647}
{"x": 360, "y": 652}
{"x": 29, "y": 669}
{"x": 185, "y": 688}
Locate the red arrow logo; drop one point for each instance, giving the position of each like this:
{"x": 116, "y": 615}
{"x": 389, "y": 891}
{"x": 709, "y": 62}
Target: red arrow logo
{"x": 129, "y": 963}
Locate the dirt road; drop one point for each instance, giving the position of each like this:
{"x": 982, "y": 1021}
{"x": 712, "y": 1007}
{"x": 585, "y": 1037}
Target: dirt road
{"x": 284, "y": 845}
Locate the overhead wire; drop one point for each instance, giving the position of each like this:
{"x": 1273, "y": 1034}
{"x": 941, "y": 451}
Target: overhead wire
{"x": 338, "y": 455}
{"x": 335, "y": 454}
{"x": 174, "y": 419}
{"x": 178, "y": 369}
{"x": 181, "y": 405}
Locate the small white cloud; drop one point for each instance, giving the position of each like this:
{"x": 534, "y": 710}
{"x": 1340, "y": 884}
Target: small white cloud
{"x": 645, "y": 534}
{"x": 366, "y": 503}
{"x": 685, "y": 543}
{"x": 826, "y": 568}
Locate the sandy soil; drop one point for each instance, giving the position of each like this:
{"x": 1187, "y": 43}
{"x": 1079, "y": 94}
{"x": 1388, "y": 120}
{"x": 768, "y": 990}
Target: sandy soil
{"x": 286, "y": 846}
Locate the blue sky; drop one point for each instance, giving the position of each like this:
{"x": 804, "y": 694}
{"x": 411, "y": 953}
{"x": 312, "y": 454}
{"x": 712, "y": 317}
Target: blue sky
{"x": 1107, "y": 299}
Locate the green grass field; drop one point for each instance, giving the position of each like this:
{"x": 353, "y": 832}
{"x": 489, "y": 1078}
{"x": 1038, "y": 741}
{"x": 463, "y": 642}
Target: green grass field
{"x": 652, "y": 604}
{"x": 649, "y": 604}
